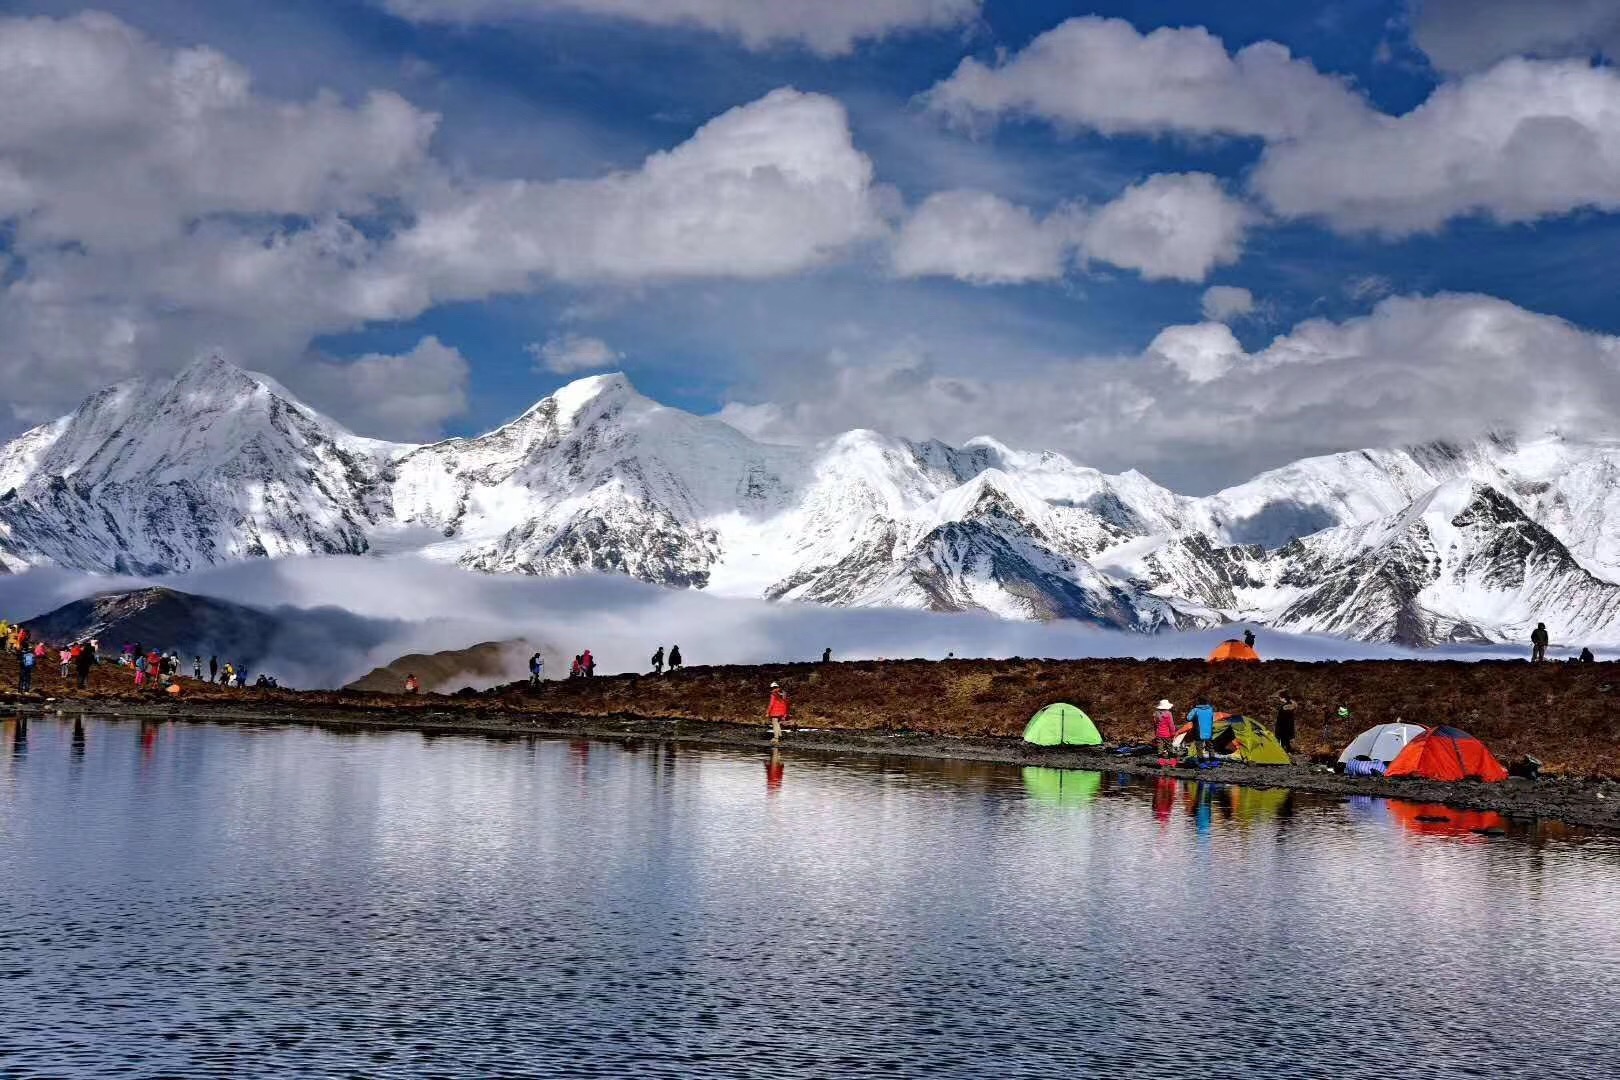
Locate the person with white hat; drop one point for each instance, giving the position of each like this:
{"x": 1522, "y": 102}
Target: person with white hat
{"x": 1164, "y": 725}
{"x": 777, "y": 711}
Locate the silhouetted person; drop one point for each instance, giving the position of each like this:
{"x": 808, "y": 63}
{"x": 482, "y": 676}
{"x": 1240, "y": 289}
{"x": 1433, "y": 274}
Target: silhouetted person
{"x": 537, "y": 668}
{"x": 674, "y": 658}
{"x": 1538, "y": 643}
{"x": 1587, "y": 657}
{"x": 213, "y": 669}
{"x": 658, "y": 661}
{"x": 826, "y": 656}
{"x": 1248, "y": 638}
{"x": 81, "y": 664}
{"x": 1287, "y": 723}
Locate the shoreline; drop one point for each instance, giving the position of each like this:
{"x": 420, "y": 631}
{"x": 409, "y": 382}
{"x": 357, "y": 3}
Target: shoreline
{"x": 1588, "y": 802}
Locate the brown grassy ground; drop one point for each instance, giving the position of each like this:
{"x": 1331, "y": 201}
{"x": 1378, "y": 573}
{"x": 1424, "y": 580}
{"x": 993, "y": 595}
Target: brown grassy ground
{"x": 1564, "y": 714}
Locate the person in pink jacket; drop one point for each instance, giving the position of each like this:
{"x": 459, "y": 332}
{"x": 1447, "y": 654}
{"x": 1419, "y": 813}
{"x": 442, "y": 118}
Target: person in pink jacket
{"x": 1164, "y": 726}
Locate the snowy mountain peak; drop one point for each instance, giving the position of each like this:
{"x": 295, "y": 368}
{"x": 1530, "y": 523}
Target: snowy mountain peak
{"x": 1443, "y": 542}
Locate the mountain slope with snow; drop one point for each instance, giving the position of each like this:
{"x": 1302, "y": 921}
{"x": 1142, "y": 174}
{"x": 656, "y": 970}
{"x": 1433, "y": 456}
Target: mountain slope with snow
{"x": 1419, "y": 545}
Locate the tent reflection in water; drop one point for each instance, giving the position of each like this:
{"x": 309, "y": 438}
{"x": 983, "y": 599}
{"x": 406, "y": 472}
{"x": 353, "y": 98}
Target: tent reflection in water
{"x": 1062, "y": 787}
{"x": 1432, "y": 819}
{"x": 1062, "y": 724}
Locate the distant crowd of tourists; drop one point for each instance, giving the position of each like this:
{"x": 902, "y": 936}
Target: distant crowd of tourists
{"x": 154, "y": 668}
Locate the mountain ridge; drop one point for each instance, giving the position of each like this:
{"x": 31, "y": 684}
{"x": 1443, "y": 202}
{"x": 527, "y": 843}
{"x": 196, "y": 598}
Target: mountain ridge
{"x": 1420, "y": 545}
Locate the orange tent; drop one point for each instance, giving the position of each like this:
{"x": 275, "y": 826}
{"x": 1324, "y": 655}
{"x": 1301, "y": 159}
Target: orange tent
{"x": 1444, "y": 753}
{"x": 1233, "y": 650}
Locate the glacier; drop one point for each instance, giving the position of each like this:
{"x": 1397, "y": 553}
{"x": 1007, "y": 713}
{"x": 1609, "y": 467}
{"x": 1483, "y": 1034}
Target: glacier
{"x": 1442, "y": 544}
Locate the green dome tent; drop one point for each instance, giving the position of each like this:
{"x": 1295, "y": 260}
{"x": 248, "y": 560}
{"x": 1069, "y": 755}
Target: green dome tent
{"x": 1061, "y": 724}
{"x": 1062, "y": 787}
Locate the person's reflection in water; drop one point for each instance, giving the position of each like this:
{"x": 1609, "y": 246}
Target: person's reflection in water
{"x": 76, "y": 747}
{"x": 149, "y": 734}
{"x": 19, "y": 736}
{"x": 1164, "y": 798}
{"x": 774, "y": 771}
{"x": 580, "y": 751}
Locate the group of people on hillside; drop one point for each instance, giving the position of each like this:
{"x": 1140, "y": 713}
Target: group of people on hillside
{"x": 73, "y": 661}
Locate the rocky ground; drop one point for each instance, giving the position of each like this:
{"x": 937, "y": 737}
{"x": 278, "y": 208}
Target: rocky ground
{"x": 1563, "y": 714}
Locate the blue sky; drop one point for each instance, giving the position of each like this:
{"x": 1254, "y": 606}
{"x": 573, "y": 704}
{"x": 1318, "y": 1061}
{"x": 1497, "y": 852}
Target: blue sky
{"x": 890, "y": 316}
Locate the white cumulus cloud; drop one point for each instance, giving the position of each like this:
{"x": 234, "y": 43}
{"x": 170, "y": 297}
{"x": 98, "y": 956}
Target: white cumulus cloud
{"x": 1522, "y": 141}
{"x": 1174, "y": 225}
{"x": 1470, "y": 35}
{"x": 565, "y": 354}
{"x": 828, "y": 27}
{"x": 1103, "y": 75}
{"x": 1224, "y": 303}
{"x": 409, "y": 396}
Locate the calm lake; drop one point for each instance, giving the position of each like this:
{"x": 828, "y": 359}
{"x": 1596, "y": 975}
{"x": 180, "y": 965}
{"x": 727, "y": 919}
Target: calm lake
{"x": 191, "y": 900}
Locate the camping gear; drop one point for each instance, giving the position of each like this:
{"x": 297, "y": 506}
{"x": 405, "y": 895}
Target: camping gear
{"x": 1250, "y": 741}
{"x": 1372, "y": 751}
{"x": 1062, "y": 724}
{"x": 1233, "y": 649}
{"x": 1062, "y": 787}
{"x": 1445, "y": 753}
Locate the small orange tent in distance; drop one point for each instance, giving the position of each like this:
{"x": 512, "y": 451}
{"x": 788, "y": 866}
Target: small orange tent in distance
{"x": 1445, "y": 753}
{"x": 1233, "y": 650}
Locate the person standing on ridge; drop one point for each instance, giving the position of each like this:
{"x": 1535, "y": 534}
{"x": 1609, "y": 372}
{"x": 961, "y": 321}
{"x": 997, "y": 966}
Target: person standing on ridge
{"x": 1248, "y": 638}
{"x": 25, "y": 670}
{"x": 674, "y": 658}
{"x": 826, "y": 655}
{"x": 85, "y": 657}
{"x": 537, "y": 665}
{"x": 411, "y": 685}
{"x": 658, "y": 661}
{"x": 588, "y": 663}
{"x": 1538, "y": 643}
{"x": 1287, "y": 722}
{"x": 213, "y": 669}
{"x": 196, "y": 668}
{"x": 777, "y": 711}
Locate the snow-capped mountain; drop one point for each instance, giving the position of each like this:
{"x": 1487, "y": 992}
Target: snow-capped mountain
{"x": 1419, "y": 545}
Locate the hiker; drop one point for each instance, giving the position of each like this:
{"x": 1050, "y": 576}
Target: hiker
{"x": 658, "y": 661}
{"x": 674, "y": 658}
{"x": 140, "y": 671}
{"x": 213, "y": 669}
{"x": 1164, "y": 726}
{"x": 1248, "y": 638}
{"x": 227, "y": 675}
{"x": 1202, "y": 718}
{"x": 25, "y": 670}
{"x": 83, "y": 662}
{"x": 777, "y": 711}
{"x": 411, "y": 685}
{"x": 1586, "y": 656}
{"x": 537, "y": 665}
{"x": 587, "y": 663}
{"x": 196, "y": 668}
{"x": 826, "y": 656}
{"x": 1287, "y": 721}
{"x": 578, "y": 668}
{"x": 64, "y": 657}
{"x": 1538, "y": 643}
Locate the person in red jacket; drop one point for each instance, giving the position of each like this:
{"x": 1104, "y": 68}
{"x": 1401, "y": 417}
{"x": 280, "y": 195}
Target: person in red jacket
{"x": 777, "y": 711}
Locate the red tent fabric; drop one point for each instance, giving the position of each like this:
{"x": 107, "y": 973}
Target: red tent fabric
{"x": 1445, "y": 753}
{"x": 1234, "y": 650}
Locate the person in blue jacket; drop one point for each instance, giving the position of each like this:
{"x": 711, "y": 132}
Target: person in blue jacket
{"x": 1202, "y": 718}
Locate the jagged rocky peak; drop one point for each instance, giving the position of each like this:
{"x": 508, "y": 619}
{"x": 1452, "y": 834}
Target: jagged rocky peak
{"x": 1432, "y": 543}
